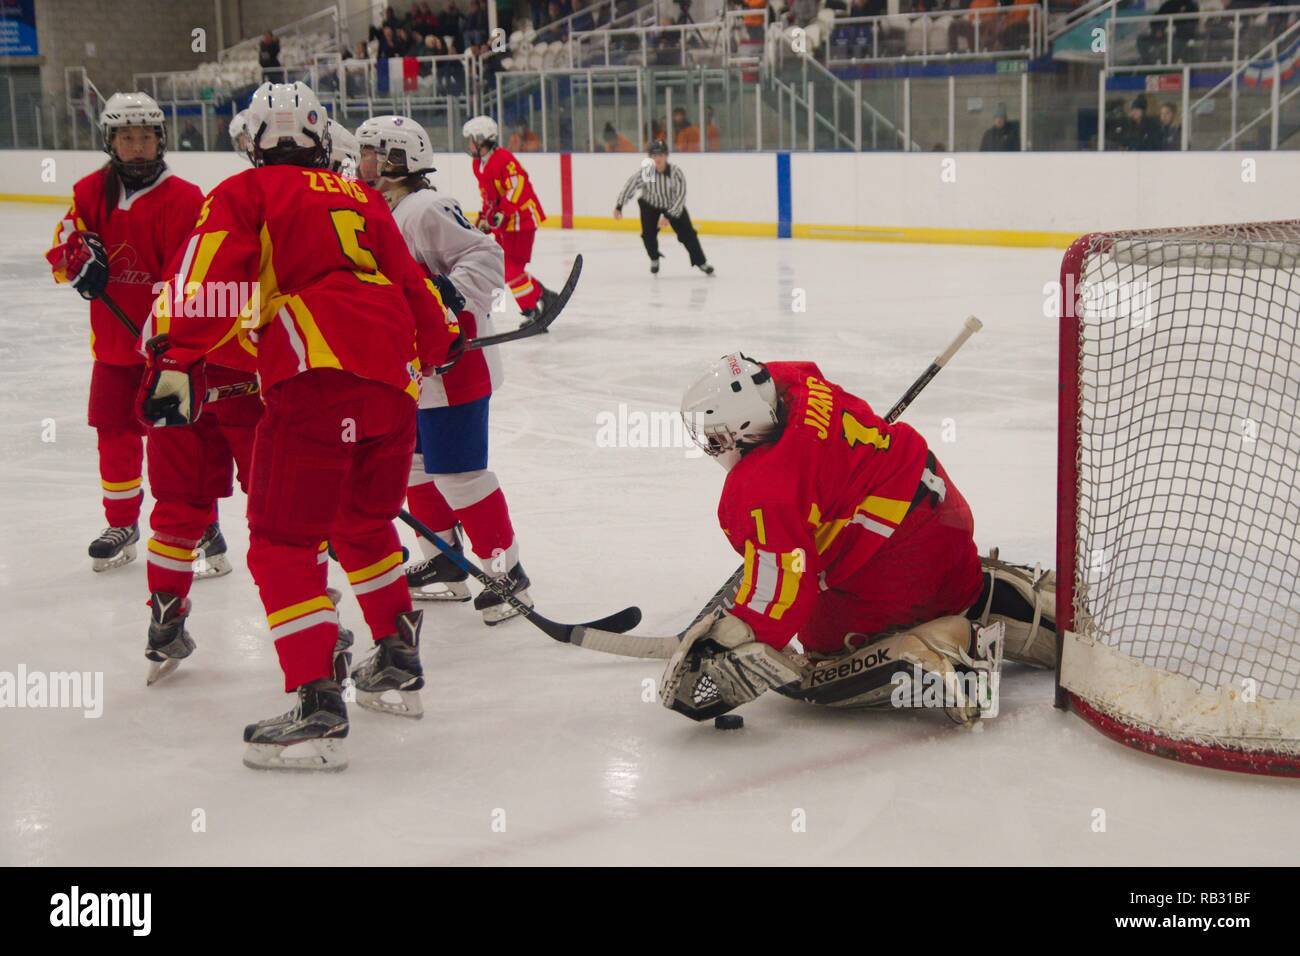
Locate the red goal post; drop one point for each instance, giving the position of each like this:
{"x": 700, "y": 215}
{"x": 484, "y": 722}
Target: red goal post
{"x": 1178, "y": 521}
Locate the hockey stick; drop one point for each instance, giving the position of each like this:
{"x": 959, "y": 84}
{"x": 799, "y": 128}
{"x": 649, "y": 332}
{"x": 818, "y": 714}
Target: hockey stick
{"x": 528, "y": 329}
{"x": 214, "y": 394}
{"x": 614, "y": 624}
{"x": 662, "y": 648}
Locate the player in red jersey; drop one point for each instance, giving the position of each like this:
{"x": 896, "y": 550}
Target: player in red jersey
{"x": 511, "y": 211}
{"x": 854, "y": 537}
{"x": 450, "y": 481}
{"x": 346, "y": 322}
{"x": 125, "y": 222}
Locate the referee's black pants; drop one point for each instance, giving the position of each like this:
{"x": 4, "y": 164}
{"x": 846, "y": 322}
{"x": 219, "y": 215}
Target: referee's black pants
{"x": 686, "y": 234}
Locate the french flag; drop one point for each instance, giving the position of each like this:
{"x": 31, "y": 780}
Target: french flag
{"x": 399, "y": 73}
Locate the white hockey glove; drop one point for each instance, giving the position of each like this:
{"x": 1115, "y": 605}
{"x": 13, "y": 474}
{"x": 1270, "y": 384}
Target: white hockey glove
{"x": 720, "y": 666}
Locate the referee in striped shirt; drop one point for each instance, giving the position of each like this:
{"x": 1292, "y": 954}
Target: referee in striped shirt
{"x": 663, "y": 197}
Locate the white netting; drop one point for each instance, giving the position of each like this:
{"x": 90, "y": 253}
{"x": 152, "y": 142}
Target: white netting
{"x": 1188, "y": 548}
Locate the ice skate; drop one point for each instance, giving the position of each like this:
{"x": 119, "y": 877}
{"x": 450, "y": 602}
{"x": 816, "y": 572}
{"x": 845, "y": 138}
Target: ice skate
{"x": 212, "y": 561}
{"x": 308, "y": 737}
{"x": 705, "y": 268}
{"x": 114, "y": 547}
{"x": 389, "y": 680}
{"x": 494, "y": 608}
{"x": 654, "y": 265}
{"x": 544, "y": 299}
{"x": 438, "y": 578}
{"x": 169, "y": 642}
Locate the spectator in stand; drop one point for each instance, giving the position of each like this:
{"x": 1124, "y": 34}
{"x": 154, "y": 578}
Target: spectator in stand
{"x": 362, "y": 51}
{"x": 432, "y": 47}
{"x": 1154, "y": 45}
{"x": 616, "y": 142}
{"x": 551, "y": 33}
{"x": 391, "y": 19}
{"x": 268, "y": 57}
{"x": 686, "y": 137}
{"x": 386, "y": 39}
{"x": 804, "y": 12}
{"x": 582, "y": 19}
{"x": 523, "y": 139}
{"x": 1171, "y": 131}
{"x": 979, "y": 28}
{"x": 474, "y": 29}
{"x": 711, "y": 131}
{"x": 449, "y": 21}
{"x": 1141, "y": 132}
{"x": 1002, "y": 136}
{"x": 191, "y": 139}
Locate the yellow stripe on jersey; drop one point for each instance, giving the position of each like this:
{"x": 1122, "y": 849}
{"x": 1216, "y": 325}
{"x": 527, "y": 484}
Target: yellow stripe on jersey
{"x": 893, "y": 510}
{"x": 322, "y": 603}
{"x": 207, "y": 250}
{"x": 319, "y": 353}
{"x": 268, "y": 286}
{"x": 376, "y": 569}
{"x": 790, "y": 579}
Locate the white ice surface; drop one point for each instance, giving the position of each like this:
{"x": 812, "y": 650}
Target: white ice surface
{"x": 559, "y": 743}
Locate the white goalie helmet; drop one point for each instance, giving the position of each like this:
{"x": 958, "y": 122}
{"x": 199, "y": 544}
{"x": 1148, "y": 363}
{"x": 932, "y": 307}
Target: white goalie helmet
{"x": 732, "y": 406}
{"x": 345, "y": 150}
{"x": 240, "y": 138}
{"x": 401, "y": 144}
{"x": 288, "y": 115}
{"x": 479, "y": 130}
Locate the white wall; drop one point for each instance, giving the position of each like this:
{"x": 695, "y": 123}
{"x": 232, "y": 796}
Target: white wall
{"x": 1064, "y": 193}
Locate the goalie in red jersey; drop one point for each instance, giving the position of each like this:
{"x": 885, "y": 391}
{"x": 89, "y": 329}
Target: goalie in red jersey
{"x": 346, "y": 322}
{"x": 511, "y": 212}
{"x": 855, "y": 539}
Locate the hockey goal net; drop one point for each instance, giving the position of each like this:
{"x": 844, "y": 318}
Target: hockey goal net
{"x": 1178, "y": 544}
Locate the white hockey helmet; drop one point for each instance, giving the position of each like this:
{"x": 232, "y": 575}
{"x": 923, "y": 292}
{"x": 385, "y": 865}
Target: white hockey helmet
{"x": 241, "y": 140}
{"x": 133, "y": 109}
{"x": 401, "y": 144}
{"x": 480, "y": 130}
{"x": 288, "y": 125}
{"x": 731, "y": 407}
{"x": 345, "y": 150}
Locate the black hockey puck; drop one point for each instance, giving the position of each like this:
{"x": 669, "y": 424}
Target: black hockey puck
{"x": 729, "y": 722}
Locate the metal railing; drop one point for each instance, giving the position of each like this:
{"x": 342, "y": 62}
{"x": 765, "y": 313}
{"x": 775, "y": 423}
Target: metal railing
{"x": 324, "y": 21}
{"x": 728, "y": 41}
{"x": 84, "y": 102}
{"x": 1286, "y": 45}
{"x": 1198, "y": 39}
{"x": 561, "y": 29}
{"x": 1007, "y": 32}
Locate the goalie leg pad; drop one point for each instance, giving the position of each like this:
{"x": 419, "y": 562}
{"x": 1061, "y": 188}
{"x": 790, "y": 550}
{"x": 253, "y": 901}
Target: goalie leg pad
{"x": 946, "y": 662}
{"x": 1024, "y": 600}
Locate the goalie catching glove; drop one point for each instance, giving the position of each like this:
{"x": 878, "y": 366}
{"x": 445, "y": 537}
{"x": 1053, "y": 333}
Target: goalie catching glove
{"x": 720, "y": 666}
{"x": 171, "y": 393}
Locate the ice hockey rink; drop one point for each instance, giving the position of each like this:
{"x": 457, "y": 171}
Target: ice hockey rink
{"x": 531, "y": 752}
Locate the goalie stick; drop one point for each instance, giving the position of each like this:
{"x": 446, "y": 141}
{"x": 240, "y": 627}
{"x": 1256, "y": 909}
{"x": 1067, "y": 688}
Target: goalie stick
{"x": 662, "y": 647}
{"x": 528, "y": 329}
{"x": 614, "y": 624}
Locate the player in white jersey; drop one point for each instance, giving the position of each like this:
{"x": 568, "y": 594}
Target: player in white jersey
{"x": 450, "y": 481}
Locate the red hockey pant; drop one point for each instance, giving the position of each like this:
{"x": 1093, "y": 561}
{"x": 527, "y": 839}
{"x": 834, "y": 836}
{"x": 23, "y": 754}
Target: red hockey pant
{"x": 121, "y": 439}
{"x": 518, "y": 249}
{"x": 330, "y": 462}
